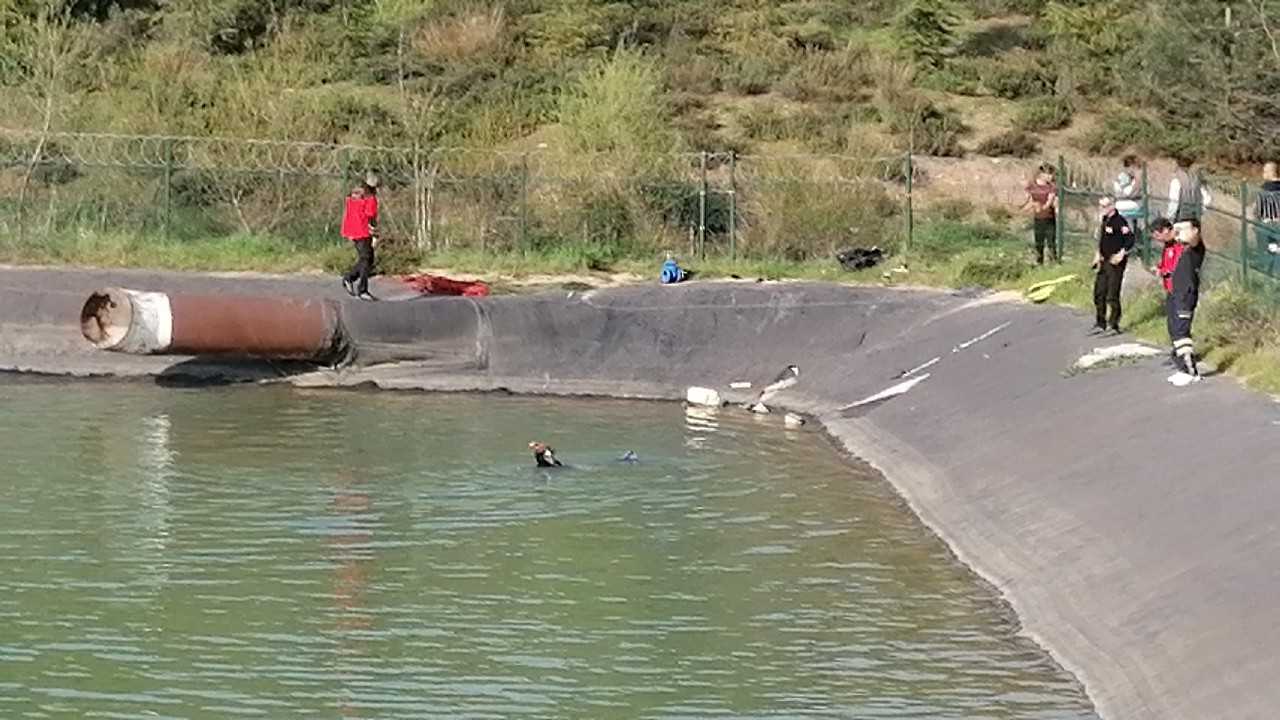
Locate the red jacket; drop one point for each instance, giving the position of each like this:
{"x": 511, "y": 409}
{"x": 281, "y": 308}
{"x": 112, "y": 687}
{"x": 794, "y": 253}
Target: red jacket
{"x": 1168, "y": 261}
{"x": 358, "y": 217}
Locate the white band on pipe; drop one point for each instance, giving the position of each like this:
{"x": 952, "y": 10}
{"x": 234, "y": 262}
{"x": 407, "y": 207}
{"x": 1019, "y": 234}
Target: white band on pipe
{"x": 150, "y": 323}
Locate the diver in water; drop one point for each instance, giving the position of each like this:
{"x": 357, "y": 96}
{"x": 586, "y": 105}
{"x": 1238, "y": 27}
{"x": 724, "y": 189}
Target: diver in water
{"x": 544, "y": 455}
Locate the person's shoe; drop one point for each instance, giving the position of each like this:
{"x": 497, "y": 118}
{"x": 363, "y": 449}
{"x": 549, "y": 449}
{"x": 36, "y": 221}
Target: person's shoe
{"x": 367, "y": 297}
{"x": 1097, "y": 329}
{"x": 1114, "y": 331}
{"x": 349, "y": 286}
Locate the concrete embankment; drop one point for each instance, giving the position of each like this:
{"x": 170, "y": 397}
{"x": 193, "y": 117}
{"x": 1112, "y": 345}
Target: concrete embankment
{"x": 1129, "y": 523}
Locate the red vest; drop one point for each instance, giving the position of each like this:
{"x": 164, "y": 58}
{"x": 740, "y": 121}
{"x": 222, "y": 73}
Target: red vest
{"x": 1168, "y": 261}
{"x": 356, "y": 214}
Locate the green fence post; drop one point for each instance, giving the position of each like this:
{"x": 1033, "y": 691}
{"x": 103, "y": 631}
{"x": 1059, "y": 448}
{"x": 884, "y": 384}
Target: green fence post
{"x": 1244, "y": 232}
{"x": 1146, "y": 219}
{"x": 1059, "y": 188}
{"x": 908, "y": 173}
{"x": 702, "y": 209}
{"x": 522, "y": 228}
{"x": 168, "y": 183}
{"x": 733, "y": 206}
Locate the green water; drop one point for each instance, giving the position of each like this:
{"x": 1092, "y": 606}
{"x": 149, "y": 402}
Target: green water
{"x": 265, "y": 553}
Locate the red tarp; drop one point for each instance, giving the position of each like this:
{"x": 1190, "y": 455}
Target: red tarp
{"x": 440, "y": 285}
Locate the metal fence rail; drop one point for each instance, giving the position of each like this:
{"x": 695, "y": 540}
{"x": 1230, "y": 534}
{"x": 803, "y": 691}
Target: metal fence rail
{"x": 60, "y": 185}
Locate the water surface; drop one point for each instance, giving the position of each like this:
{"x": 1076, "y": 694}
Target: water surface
{"x": 260, "y": 552}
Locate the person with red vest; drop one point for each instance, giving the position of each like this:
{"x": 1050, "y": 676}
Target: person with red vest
{"x": 360, "y": 226}
{"x": 1162, "y": 231}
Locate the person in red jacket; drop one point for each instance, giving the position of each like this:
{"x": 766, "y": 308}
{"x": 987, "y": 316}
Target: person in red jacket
{"x": 1162, "y": 231}
{"x": 360, "y": 226}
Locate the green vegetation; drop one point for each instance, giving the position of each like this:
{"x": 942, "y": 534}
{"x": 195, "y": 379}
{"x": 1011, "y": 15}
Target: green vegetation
{"x": 487, "y": 73}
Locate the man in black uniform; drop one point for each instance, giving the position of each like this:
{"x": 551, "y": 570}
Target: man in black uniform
{"x": 1115, "y": 241}
{"x": 1185, "y": 295}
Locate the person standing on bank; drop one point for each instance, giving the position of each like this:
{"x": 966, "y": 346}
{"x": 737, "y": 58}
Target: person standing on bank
{"x": 1115, "y": 241}
{"x": 1042, "y": 197}
{"x": 360, "y": 226}
{"x": 1162, "y": 232}
{"x": 1188, "y": 197}
{"x": 1185, "y": 294}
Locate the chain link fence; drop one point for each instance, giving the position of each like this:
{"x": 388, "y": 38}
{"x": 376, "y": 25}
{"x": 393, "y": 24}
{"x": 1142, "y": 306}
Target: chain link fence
{"x": 59, "y": 186}
{"x": 1234, "y": 223}
{"x": 62, "y": 184}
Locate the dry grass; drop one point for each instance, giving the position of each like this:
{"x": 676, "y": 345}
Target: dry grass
{"x": 461, "y": 36}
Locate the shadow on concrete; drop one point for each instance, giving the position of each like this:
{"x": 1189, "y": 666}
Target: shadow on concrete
{"x": 213, "y": 372}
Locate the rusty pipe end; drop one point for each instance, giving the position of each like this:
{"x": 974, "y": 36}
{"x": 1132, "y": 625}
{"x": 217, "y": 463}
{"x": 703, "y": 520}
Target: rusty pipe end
{"x": 127, "y": 321}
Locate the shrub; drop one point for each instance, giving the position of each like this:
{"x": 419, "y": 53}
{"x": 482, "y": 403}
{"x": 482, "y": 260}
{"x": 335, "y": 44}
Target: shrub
{"x": 751, "y": 75}
{"x": 617, "y": 106}
{"x": 605, "y": 218}
{"x": 954, "y": 78}
{"x": 924, "y": 127}
{"x": 1117, "y": 132}
{"x": 675, "y": 203}
{"x": 1043, "y": 114}
{"x": 826, "y": 77}
{"x": 1012, "y": 76}
{"x": 795, "y": 222}
{"x": 1014, "y": 143}
{"x": 927, "y": 29}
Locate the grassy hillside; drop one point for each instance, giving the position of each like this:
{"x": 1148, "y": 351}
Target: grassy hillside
{"x": 856, "y": 77}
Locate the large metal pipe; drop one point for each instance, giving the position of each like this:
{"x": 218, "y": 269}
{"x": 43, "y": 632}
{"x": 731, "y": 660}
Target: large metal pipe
{"x": 155, "y": 323}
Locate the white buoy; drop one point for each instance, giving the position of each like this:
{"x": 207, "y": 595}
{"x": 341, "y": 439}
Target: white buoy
{"x": 703, "y": 396}
{"x": 760, "y": 409}
{"x": 792, "y": 420}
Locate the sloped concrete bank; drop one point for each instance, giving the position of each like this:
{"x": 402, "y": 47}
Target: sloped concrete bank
{"x": 1131, "y": 525}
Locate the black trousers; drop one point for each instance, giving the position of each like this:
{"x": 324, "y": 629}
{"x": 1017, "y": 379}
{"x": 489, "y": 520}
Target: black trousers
{"x": 1180, "y": 313}
{"x": 1106, "y": 293}
{"x": 363, "y": 267}
{"x": 1045, "y": 235}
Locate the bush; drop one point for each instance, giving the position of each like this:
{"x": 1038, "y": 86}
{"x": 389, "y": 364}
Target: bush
{"x": 926, "y": 128}
{"x": 1012, "y": 76}
{"x": 826, "y": 77}
{"x": 798, "y": 221}
{"x": 618, "y": 106}
{"x": 751, "y": 75}
{"x": 1014, "y": 143}
{"x": 953, "y": 78}
{"x": 1118, "y": 132}
{"x": 1044, "y": 114}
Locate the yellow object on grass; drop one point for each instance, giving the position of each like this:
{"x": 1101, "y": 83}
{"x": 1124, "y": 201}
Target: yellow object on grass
{"x": 1041, "y": 291}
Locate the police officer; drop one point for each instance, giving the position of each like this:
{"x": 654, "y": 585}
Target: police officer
{"x": 1185, "y": 295}
{"x": 1115, "y": 242}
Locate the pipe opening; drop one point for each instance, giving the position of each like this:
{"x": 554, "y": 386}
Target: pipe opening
{"x": 105, "y": 318}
